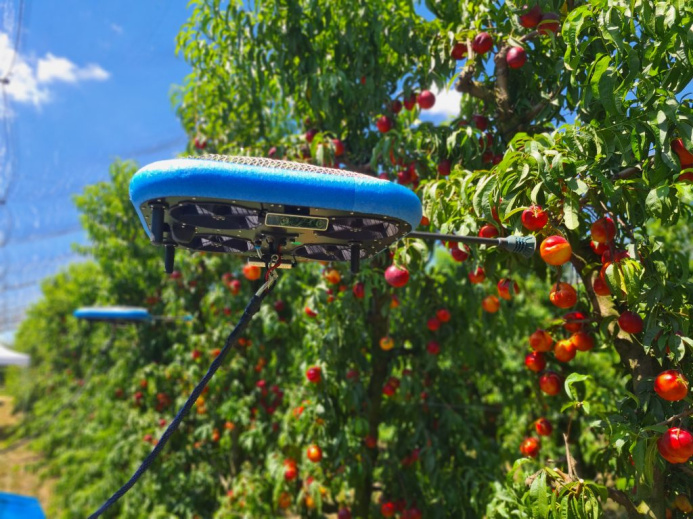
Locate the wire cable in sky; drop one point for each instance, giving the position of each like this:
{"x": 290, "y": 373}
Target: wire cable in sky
{"x": 17, "y": 41}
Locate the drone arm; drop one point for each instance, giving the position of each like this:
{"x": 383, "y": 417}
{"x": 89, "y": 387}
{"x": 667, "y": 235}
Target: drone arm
{"x": 524, "y": 245}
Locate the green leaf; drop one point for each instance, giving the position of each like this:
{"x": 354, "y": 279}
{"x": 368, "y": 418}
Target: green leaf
{"x": 538, "y": 494}
{"x": 571, "y": 208}
{"x": 573, "y": 379}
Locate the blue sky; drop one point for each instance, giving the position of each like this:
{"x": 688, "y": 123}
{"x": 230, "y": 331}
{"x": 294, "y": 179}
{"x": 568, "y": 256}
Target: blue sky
{"x": 91, "y": 82}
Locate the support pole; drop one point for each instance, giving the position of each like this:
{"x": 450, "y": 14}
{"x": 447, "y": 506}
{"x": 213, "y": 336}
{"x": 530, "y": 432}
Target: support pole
{"x": 355, "y": 258}
{"x": 169, "y": 257}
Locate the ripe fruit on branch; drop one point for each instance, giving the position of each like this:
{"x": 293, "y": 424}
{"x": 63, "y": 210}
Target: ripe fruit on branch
{"x": 412, "y": 513}
{"x": 618, "y": 256}
{"x": 531, "y": 18}
{"x": 486, "y": 141}
{"x": 234, "y": 286}
{"x": 391, "y": 386}
{"x": 314, "y": 453}
{"x": 433, "y": 324}
{"x": 480, "y": 121}
{"x": 476, "y": 276}
{"x": 603, "y": 230}
{"x": 543, "y": 427}
{"x": 506, "y": 288}
{"x": 396, "y": 107}
{"x": 314, "y": 374}
{"x": 599, "y": 248}
{"x": 338, "y": 147}
{"x": 310, "y": 312}
{"x": 459, "y": 51}
{"x": 443, "y": 315}
{"x": 410, "y": 102}
{"x": 200, "y": 143}
{"x": 359, "y": 290}
{"x": 530, "y": 447}
{"x": 555, "y": 250}
{"x": 516, "y": 57}
{"x": 290, "y": 470}
{"x": 488, "y": 231}
{"x": 444, "y": 167}
{"x": 388, "y": 509}
{"x": 405, "y": 177}
{"x": 284, "y": 500}
{"x": 550, "y": 383}
{"x": 396, "y": 277}
{"x": 433, "y": 348}
{"x": 540, "y": 340}
{"x": 564, "y": 350}
{"x": 683, "y": 503}
{"x": 535, "y": 361}
{"x": 582, "y": 341}
{"x": 251, "y": 272}
{"x": 426, "y": 99}
{"x": 671, "y": 385}
{"x": 572, "y": 323}
{"x": 534, "y": 218}
{"x": 600, "y": 287}
{"x": 563, "y": 295}
{"x": 630, "y": 322}
{"x": 685, "y": 156}
{"x": 387, "y": 343}
{"x": 676, "y": 445}
{"x": 458, "y": 254}
{"x": 482, "y": 43}
{"x": 344, "y": 513}
{"x": 333, "y": 277}
{"x": 550, "y": 23}
{"x": 384, "y": 124}
{"x": 491, "y": 304}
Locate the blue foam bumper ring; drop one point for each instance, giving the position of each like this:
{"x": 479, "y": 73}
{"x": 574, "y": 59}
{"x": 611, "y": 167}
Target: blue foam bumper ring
{"x": 13, "y": 506}
{"x": 273, "y": 185}
{"x": 223, "y": 202}
{"x": 113, "y": 313}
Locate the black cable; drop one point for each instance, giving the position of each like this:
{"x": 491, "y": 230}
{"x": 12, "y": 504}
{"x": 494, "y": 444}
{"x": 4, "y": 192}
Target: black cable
{"x": 250, "y": 311}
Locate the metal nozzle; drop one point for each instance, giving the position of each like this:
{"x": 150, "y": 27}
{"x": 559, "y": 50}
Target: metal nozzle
{"x": 524, "y": 245}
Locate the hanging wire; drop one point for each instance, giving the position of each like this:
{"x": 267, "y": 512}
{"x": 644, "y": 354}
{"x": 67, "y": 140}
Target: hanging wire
{"x": 250, "y": 310}
{"x": 17, "y": 39}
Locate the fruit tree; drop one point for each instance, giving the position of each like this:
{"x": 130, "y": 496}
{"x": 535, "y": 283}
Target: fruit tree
{"x": 442, "y": 380}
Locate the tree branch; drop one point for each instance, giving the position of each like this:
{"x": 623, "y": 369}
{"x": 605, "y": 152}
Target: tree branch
{"x": 502, "y": 91}
{"x": 623, "y": 500}
{"x": 683, "y": 414}
{"x": 627, "y": 173}
{"x": 466, "y": 84}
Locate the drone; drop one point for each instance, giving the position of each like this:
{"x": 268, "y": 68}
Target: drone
{"x": 266, "y": 209}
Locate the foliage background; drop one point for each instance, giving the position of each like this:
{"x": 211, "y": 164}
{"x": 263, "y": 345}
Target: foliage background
{"x": 617, "y": 72}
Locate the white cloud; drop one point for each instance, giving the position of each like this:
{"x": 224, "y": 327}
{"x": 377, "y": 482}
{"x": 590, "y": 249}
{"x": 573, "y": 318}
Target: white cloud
{"x": 447, "y": 103}
{"x": 53, "y": 68}
{"x": 29, "y": 78}
{"x": 116, "y": 28}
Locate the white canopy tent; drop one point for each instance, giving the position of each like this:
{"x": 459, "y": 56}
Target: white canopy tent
{"x": 12, "y": 358}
